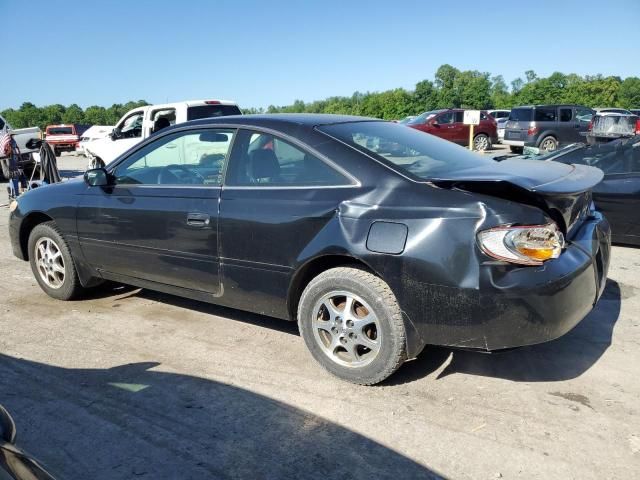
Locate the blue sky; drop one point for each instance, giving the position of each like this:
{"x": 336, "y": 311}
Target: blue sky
{"x": 273, "y": 52}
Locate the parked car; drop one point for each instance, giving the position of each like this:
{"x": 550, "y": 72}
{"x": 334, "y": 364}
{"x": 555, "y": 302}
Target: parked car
{"x": 498, "y": 114}
{"x": 617, "y": 196}
{"x": 612, "y": 110}
{"x": 406, "y": 119}
{"x": 501, "y": 122}
{"x": 64, "y": 138}
{"x": 21, "y": 137}
{"x": 607, "y": 126}
{"x": 448, "y": 124}
{"x": 546, "y": 126}
{"x": 93, "y": 133}
{"x": 344, "y": 224}
{"x": 14, "y": 462}
{"x": 635, "y": 111}
{"x": 140, "y": 123}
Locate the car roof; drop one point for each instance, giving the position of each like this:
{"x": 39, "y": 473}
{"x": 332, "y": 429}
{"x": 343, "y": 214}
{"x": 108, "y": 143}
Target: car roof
{"x": 274, "y": 119}
{"x": 552, "y": 105}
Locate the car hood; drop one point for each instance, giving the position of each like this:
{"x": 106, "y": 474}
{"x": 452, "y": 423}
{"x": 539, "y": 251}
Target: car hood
{"x": 563, "y": 191}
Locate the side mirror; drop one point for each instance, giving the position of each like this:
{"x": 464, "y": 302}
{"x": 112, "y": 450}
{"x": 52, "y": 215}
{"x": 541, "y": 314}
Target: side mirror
{"x": 96, "y": 177}
{"x": 7, "y": 427}
{"x": 115, "y": 134}
{"x": 434, "y": 123}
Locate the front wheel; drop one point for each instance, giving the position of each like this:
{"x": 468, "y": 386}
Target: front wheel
{"x": 5, "y": 172}
{"x": 352, "y": 325}
{"x": 52, "y": 264}
{"x": 481, "y": 142}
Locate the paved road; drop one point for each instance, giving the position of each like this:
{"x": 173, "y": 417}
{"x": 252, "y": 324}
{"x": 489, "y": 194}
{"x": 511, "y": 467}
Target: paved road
{"x": 130, "y": 383}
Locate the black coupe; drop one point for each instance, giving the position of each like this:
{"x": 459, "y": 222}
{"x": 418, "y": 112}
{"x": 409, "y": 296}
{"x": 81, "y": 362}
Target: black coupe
{"x": 376, "y": 238}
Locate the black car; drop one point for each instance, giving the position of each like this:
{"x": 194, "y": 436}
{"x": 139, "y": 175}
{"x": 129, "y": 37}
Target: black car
{"x": 15, "y": 464}
{"x": 618, "y": 194}
{"x": 546, "y": 126}
{"x": 376, "y": 238}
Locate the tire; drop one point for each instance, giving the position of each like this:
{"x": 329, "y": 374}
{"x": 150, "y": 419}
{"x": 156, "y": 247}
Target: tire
{"x": 548, "y": 144}
{"x": 373, "y": 331}
{"x": 481, "y": 142}
{"x": 517, "y": 150}
{"x": 52, "y": 263}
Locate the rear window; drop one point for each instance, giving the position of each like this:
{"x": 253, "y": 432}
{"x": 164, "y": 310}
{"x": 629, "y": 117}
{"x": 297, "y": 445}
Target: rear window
{"x": 59, "y": 131}
{"x": 209, "y": 111}
{"x": 409, "y": 151}
{"x": 521, "y": 114}
{"x": 545, "y": 114}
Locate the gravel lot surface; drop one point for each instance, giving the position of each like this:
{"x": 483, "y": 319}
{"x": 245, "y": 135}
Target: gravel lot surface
{"x": 129, "y": 383}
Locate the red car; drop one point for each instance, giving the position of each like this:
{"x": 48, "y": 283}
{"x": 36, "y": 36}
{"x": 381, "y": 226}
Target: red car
{"x": 448, "y": 124}
{"x": 64, "y": 137}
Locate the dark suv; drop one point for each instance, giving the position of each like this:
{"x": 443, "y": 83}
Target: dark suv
{"x": 546, "y": 126}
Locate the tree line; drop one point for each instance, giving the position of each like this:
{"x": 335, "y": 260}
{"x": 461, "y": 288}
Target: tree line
{"x": 450, "y": 88}
{"x": 29, "y": 115}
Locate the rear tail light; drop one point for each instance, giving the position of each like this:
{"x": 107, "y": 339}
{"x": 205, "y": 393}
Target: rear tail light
{"x": 638, "y": 126}
{"x": 590, "y": 126}
{"x": 212, "y": 102}
{"x": 533, "y": 129}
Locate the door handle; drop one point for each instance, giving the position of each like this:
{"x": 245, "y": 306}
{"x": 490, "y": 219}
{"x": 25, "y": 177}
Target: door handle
{"x": 198, "y": 219}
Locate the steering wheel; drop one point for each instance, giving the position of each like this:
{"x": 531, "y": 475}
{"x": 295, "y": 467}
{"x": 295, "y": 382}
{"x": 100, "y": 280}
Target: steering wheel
{"x": 167, "y": 177}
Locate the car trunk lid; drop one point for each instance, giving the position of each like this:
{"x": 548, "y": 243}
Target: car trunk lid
{"x": 563, "y": 191}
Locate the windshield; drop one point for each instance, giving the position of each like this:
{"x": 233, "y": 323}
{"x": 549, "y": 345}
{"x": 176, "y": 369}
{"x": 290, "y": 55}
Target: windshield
{"x": 423, "y": 117}
{"x": 521, "y": 114}
{"x": 209, "y": 111}
{"x": 406, "y": 150}
{"x": 59, "y": 131}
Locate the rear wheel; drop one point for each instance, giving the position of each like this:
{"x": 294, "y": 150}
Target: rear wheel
{"x": 52, "y": 264}
{"x": 481, "y": 142}
{"x": 352, "y": 325}
{"x": 548, "y": 144}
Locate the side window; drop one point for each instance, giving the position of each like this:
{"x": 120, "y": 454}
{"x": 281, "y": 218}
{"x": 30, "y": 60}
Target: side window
{"x": 263, "y": 159}
{"x": 1, "y": 124}
{"x": 194, "y": 157}
{"x": 163, "y": 119}
{"x": 445, "y": 118}
{"x": 566, "y": 114}
{"x": 131, "y": 126}
{"x": 583, "y": 114}
{"x": 459, "y": 117}
{"x": 545, "y": 114}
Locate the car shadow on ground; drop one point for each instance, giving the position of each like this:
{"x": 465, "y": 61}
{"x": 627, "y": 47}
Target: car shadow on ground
{"x": 562, "y": 359}
{"x": 136, "y": 420}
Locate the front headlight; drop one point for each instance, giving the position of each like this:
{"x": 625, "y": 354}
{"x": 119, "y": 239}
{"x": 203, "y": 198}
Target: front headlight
{"x": 13, "y": 205}
{"x": 528, "y": 245}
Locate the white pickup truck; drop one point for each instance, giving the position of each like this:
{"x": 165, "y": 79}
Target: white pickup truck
{"x": 21, "y": 137}
{"x": 141, "y": 122}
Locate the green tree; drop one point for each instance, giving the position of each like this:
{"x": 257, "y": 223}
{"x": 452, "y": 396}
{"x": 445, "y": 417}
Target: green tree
{"x": 73, "y": 114}
{"x": 629, "y": 93}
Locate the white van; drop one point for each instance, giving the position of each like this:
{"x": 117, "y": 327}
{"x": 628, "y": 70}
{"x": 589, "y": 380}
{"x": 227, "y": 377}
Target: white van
{"x": 92, "y": 133}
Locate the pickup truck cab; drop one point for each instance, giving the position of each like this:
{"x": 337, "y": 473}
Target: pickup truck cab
{"x": 64, "y": 137}
{"x": 21, "y": 137}
{"x": 140, "y": 123}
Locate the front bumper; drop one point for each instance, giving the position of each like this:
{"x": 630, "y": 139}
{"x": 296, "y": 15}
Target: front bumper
{"x": 518, "y": 306}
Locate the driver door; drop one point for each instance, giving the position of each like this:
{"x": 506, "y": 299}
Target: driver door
{"x": 158, "y": 222}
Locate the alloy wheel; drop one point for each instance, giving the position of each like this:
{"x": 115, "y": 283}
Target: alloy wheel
{"x": 480, "y": 143}
{"x": 346, "y": 329}
{"x": 50, "y": 262}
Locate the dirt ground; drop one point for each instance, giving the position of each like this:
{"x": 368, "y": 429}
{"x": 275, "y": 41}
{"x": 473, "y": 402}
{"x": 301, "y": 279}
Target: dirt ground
{"x": 129, "y": 383}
